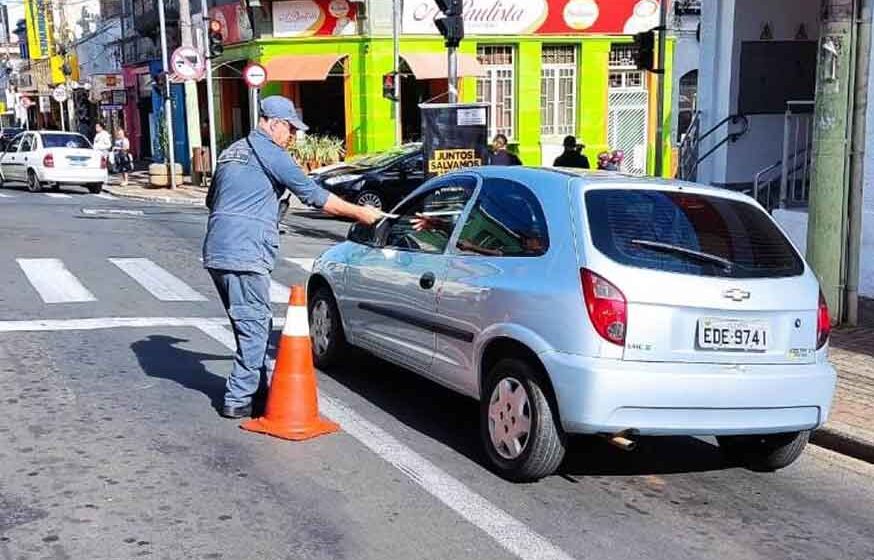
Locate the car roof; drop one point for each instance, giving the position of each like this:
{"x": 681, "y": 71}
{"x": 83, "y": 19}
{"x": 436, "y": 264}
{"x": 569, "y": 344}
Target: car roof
{"x": 587, "y": 180}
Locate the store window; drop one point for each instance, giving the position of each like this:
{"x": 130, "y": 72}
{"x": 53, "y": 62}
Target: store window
{"x": 497, "y": 87}
{"x": 558, "y": 90}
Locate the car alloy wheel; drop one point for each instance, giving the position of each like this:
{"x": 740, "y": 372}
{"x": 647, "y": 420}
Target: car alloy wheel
{"x": 509, "y": 418}
{"x": 369, "y": 198}
{"x": 321, "y": 327}
{"x": 33, "y": 183}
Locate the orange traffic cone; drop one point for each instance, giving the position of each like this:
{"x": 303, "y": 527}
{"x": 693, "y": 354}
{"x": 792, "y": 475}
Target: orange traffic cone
{"x": 292, "y": 404}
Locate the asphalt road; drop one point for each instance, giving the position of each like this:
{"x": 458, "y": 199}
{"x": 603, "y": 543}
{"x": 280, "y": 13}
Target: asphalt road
{"x": 110, "y": 447}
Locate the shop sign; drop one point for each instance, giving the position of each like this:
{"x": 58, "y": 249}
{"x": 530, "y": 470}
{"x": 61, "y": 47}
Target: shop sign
{"x": 305, "y": 18}
{"x": 234, "y": 19}
{"x": 454, "y": 136}
{"x": 538, "y": 17}
{"x": 110, "y": 98}
{"x": 101, "y": 83}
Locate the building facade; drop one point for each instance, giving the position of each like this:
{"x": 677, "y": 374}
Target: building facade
{"x": 547, "y": 68}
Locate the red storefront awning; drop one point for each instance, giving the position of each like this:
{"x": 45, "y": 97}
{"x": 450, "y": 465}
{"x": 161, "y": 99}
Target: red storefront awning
{"x": 301, "y": 67}
{"x": 433, "y": 66}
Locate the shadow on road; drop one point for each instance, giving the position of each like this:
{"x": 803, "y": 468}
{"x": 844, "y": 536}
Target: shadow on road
{"x": 159, "y": 356}
{"x": 453, "y": 420}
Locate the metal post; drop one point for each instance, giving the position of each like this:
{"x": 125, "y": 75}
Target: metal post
{"x": 192, "y": 105}
{"x": 255, "y": 112}
{"x": 396, "y": 38}
{"x": 857, "y": 161}
{"x": 784, "y": 172}
{"x": 452, "y": 63}
{"x": 210, "y": 101}
{"x": 63, "y": 124}
{"x": 660, "y": 96}
{"x": 168, "y": 102}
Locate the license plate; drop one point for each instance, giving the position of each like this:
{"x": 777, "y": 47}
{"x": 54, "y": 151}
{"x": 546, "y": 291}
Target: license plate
{"x": 728, "y": 334}
{"x": 78, "y": 162}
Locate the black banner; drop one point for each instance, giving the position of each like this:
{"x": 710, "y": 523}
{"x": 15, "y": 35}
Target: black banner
{"x": 454, "y": 136}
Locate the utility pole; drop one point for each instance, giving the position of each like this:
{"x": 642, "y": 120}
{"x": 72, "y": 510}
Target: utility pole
{"x": 168, "y": 102}
{"x": 255, "y": 102}
{"x": 192, "y": 105}
{"x": 827, "y": 227}
{"x": 396, "y": 38}
{"x": 660, "y": 95}
{"x": 210, "y": 101}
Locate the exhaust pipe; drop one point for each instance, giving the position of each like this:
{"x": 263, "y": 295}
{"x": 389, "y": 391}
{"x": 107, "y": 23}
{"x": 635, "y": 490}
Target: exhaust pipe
{"x": 621, "y": 441}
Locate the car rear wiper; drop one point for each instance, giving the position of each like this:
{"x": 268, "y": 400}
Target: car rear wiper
{"x": 691, "y": 253}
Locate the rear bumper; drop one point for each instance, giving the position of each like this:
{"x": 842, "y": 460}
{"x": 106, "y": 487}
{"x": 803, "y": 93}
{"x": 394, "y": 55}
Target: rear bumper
{"x": 609, "y": 396}
{"x": 74, "y": 177}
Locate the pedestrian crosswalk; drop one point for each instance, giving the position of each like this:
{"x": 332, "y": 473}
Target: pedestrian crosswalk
{"x": 54, "y": 195}
{"x": 56, "y": 282}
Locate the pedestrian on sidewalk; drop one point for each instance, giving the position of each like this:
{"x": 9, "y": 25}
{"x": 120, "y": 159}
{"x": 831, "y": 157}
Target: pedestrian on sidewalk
{"x": 242, "y": 237}
{"x": 121, "y": 157}
{"x": 102, "y": 139}
{"x": 500, "y": 155}
{"x": 572, "y": 155}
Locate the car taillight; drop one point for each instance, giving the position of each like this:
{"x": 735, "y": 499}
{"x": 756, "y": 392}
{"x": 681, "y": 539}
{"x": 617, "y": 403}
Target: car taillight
{"x": 823, "y": 323}
{"x": 103, "y": 162}
{"x": 607, "y": 307}
{"x": 48, "y": 161}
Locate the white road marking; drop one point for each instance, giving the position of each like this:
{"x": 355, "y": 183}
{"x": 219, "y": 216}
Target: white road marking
{"x": 98, "y": 211}
{"x": 157, "y": 281}
{"x": 54, "y": 283}
{"x": 306, "y": 264}
{"x": 107, "y": 196}
{"x": 99, "y": 323}
{"x": 278, "y": 292}
{"x": 3, "y": 195}
{"x": 57, "y": 195}
{"x": 506, "y": 530}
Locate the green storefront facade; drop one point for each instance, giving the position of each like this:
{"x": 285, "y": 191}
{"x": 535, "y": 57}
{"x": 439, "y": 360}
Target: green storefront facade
{"x": 589, "y": 72}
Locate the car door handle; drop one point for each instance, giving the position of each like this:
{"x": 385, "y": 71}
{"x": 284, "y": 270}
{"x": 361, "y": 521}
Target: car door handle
{"x": 426, "y": 282}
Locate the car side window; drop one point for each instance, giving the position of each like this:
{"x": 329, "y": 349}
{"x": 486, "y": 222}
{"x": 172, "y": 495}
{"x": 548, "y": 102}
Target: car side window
{"x": 506, "y": 220}
{"x": 426, "y": 223}
{"x": 414, "y": 165}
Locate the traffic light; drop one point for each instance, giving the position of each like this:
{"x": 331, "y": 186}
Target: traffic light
{"x": 216, "y": 48}
{"x": 645, "y": 47}
{"x": 451, "y": 25}
{"x": 390, "y": 85}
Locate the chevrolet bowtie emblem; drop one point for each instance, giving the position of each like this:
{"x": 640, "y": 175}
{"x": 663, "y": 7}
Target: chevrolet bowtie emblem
{"x": 736, "y": 295}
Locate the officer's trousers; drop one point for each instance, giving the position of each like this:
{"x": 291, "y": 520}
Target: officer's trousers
{"x": 246, "y": 297}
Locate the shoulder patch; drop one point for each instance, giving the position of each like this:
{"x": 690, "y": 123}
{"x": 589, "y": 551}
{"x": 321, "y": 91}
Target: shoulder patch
{"x": 235, "y": 154}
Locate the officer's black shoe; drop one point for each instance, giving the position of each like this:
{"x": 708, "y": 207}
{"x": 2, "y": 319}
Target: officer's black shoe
{"x": 236, "y": 412}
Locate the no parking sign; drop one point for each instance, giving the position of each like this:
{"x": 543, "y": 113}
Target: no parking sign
{"x": 188, "y": 64}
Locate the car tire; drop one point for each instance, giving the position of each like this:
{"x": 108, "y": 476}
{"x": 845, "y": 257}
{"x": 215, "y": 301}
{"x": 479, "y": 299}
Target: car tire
{"x": 369, "y": 198}
{"x": 95, "y": 188}
{"x": 33, "y": 184}
{"x": 326, "y": 329}
{"x": 764, "y": 453}
{"x": 543, "y": 448}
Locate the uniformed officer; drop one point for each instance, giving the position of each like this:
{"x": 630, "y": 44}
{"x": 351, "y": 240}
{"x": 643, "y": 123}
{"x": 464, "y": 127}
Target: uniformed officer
{"x": 242, "y": 237}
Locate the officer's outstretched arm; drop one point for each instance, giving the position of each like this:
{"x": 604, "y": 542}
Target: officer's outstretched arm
{"x": 336, "y": 206}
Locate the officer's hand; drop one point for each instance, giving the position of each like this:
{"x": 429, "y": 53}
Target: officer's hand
{"x": 369, "y": 215}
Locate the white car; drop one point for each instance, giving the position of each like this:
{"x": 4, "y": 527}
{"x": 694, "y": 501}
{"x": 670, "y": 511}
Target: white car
{"x": 38, "y": 158}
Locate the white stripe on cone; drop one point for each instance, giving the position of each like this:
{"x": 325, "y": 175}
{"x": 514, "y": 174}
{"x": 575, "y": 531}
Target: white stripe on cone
{"x": 296, "y": 322}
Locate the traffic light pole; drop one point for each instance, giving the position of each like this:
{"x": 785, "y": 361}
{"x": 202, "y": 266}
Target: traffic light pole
{"x": 168, "y": 102}
{"x": 396, "y": 39}
{"x": 452, "y": 63}
{"x": 660, "y": 97}
{"x": 210, "y": 101}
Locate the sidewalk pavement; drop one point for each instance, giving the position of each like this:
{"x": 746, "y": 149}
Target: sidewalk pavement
{"x": 138, "y": 188}
{"x": 850, "y": 429}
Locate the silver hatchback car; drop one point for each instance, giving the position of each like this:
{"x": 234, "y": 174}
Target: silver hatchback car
{"x": 581, "y": 303}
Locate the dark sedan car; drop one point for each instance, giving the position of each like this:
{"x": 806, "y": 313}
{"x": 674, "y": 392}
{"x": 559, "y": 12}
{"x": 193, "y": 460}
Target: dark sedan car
{"x": 379, "y": 180}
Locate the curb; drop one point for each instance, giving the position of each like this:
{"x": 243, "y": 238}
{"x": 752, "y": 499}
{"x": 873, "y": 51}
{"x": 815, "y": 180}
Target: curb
{"x": 845, "y": 440}
{"x": 164, "y": 199}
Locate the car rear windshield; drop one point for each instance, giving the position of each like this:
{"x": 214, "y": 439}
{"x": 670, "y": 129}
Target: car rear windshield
{"x": 65, "y": 141}
{"x": 689, "y": 233}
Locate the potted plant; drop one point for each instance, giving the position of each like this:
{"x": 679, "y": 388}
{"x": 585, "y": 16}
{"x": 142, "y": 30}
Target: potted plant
{"x": 315, "y": 151}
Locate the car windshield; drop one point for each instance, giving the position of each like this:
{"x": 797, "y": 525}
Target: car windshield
{"x": 689, "y": 233}
{"x": 385, "y": 158}
{"x": 65, "y": 141}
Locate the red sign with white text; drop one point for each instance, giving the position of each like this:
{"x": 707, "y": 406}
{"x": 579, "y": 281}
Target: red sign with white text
{"x": 539, "y": 17}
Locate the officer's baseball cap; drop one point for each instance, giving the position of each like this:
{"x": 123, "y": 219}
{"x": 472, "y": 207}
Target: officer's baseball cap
{"x": 278, "y": 107}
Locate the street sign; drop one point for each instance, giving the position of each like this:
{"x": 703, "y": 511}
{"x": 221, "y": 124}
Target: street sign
{"x": 45, "y": 104}
{"x": 59, "y": 94}
{"x": 255, "y": 75}
{"x": 188, "y": 63}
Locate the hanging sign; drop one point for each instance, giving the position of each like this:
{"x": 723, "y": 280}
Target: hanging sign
{"x": 188, "y": 64}
{"x": 255, "y": 75}
{"x": 454, "y": 136}
{"x": 45, "y": 104}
